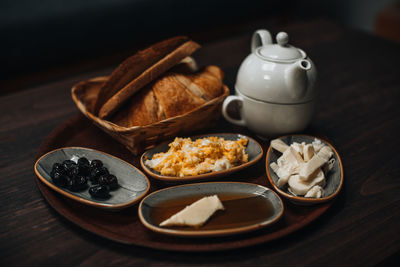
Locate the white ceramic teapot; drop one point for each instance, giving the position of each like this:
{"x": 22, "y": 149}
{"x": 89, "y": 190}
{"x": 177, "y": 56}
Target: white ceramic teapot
{"x": 274, "y": 87}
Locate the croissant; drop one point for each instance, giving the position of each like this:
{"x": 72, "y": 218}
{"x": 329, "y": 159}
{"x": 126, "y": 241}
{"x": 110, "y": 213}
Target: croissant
{"x": 170, "y": 95}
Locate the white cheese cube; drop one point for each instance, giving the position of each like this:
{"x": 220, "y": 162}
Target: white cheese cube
{"x": 289, "y": 163}
{"x": 310, "y": 167}
{"x": 317, "y": 144}
{"x": 315, "y": 192}
{"x": 298, "y": 147}
{"x": 282, "y": 173}
{"x": 316, "y": 162}
{"x": 325, "y": 153}
{"x": 300, "y": 187}
{"x": 290, "y": 157}
{"x": 279, "y": 145}
{"x": 308, "y": 152}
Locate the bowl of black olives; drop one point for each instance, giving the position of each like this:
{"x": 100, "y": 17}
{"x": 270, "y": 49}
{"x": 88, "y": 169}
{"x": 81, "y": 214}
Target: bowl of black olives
{"x": 92, "y": 177}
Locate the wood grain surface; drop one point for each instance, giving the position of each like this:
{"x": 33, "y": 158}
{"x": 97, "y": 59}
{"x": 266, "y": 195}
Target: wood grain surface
{"x": 359, "y": 83}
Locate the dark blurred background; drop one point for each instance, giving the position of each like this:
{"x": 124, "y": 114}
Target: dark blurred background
{"x": 40, "y": 36}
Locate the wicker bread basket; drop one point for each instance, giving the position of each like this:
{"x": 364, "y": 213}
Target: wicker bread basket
{"x": 139, "y": 138}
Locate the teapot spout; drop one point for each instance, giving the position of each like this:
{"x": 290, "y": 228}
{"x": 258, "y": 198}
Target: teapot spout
{"x": 297, "y": 79}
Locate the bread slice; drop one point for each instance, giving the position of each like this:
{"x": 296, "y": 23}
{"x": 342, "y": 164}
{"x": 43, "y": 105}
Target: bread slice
{"x": 133, "y": 66}
{"x": 139, "y": 70}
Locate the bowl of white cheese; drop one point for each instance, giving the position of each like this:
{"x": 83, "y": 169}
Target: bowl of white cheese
{"x": 304, "y": 169}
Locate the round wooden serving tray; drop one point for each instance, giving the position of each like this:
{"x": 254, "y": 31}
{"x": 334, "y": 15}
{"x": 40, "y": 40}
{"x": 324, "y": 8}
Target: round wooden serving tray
{"x": 125, "y": 227}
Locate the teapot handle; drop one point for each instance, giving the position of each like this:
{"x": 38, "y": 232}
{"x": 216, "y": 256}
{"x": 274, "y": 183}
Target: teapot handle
{"x": 260, "y": 38}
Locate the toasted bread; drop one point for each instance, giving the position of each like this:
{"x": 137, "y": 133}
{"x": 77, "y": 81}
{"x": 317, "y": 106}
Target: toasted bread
{"x": 139, "y": 70}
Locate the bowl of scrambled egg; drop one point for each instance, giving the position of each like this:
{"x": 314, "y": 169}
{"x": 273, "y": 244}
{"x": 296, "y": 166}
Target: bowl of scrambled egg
{"x": 199, "y": 157}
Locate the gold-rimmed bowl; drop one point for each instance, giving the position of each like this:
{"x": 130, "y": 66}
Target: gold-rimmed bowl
{"x": 151, "y": 208}
{"x": 334, "y": 178}
{"x": 253, "y": 149}
{"x": 133, "y": 184}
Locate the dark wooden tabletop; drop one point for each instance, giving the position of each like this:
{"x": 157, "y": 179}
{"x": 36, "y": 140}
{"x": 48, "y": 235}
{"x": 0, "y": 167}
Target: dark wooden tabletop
{"x": 358, "y": 111}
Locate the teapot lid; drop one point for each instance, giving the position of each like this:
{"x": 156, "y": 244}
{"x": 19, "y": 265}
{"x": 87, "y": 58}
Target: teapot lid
{"x": 281, "y": 51}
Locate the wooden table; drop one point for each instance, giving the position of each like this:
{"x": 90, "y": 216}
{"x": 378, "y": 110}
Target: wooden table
{"x": 359, "y": 83}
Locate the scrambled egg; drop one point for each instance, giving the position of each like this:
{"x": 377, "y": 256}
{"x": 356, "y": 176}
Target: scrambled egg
{"x": 186, "y": 157}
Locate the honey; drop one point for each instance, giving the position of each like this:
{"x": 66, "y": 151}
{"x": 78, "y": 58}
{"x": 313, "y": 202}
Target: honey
{"x": 240, "y": 210}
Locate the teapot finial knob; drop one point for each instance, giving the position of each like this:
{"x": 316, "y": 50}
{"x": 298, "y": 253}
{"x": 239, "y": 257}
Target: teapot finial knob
{"x": 282, "y": 38}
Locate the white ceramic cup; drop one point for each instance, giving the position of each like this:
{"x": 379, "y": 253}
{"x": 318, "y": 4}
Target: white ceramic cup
{"x": 269, "y": 119}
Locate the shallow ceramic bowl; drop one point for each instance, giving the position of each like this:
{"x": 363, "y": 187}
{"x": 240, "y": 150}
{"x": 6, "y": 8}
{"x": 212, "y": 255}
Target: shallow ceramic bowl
{"x": 253, "y": 149}
{"x": 133, "y": 184}
{"x": 223, "y": 190}
{"x": 334, "y": 179}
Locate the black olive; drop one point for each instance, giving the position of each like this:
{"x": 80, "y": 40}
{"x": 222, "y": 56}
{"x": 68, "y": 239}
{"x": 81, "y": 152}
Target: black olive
{"x": 68, "y": 164}
{"x": 109, "y": 180}
{"x": 96, "y": 173}
{"x": 73, "y": 171}
{"x": 94, "y": 176}
{"x": 81, "y": 182}
{"x": 100, "y": 191}
{"x": 84, "y": 166}
{"x": 104, "y": 170}
{"x": 74, "y": 176}
{"x": 57, "y": 167}
{"x": 58, "y": 178}
{"x": 68, "y": 180}
{"x": 96, "y": 164}
{"x": 102, "y": 180}
{"x": 84, "y": 170}
{"x": 71, "y": 184}
{"x": 78, "y": 183}
{"x": 83, "y": 161}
